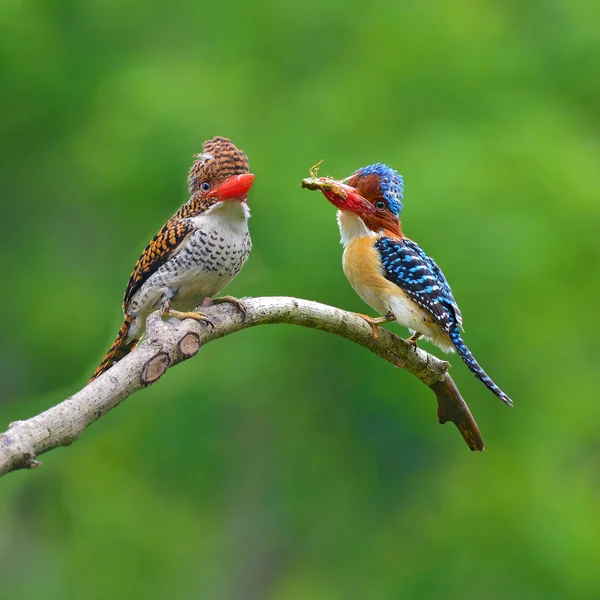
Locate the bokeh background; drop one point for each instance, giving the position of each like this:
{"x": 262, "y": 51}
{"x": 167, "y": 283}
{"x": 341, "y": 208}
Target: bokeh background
{"x": 283, "y": 463}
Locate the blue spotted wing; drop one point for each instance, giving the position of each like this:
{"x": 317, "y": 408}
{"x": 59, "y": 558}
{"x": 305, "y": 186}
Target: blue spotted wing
{"x": 406, "y": 264}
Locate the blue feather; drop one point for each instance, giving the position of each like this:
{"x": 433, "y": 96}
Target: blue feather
{"x": 391, "y": 184}
{"x": 436, "y": 299}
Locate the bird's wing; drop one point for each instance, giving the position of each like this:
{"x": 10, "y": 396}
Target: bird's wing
{"x": 163, "y": 246}
{"x": 406, "y": 264}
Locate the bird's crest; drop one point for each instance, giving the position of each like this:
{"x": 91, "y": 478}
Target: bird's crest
{"x": 385, "y": 180}
{"x": 219, "y": 160}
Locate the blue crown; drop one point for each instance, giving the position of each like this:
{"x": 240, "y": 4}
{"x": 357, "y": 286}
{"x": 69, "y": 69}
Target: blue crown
{"x": 391, "y": 184}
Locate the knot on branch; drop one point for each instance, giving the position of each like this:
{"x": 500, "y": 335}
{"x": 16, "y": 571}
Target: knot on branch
{"x": 154, "y": 368}
{"x": 189, "y": 344}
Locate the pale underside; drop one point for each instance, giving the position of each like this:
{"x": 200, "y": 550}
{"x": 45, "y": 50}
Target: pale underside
{"x": 201, "y": 268}
{"x": 361, "y": 267}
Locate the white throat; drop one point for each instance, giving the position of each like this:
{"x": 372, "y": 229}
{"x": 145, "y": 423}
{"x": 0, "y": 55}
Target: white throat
{"x": 229, "y": 210}
{"x": 352, "y": 227}
{"x": 227, "y": 214}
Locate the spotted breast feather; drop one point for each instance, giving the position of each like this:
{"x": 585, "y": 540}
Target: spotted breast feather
{"x": 163, "y": 246}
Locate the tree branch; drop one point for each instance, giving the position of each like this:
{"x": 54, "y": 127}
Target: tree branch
{"x": 168, "y": 343}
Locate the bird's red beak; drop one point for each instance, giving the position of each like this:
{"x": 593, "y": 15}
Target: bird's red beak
{"x": 234, "y": 188}
{"x": 345, "y": 197}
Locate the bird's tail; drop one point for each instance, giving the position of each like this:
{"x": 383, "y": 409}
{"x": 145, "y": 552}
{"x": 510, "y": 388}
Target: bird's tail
{"x": 473, "y": 365}
{"x": 121, "y": 347}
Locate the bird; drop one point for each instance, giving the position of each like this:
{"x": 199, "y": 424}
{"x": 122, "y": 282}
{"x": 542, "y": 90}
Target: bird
{"x": 196, "y": 253}
{"x": 389, "y": 271}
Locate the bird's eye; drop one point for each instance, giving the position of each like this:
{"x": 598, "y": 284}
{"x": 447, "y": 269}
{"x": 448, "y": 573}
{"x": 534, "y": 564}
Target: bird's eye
{"x": 205, "y": 186}
{"x": 380, "y": 205}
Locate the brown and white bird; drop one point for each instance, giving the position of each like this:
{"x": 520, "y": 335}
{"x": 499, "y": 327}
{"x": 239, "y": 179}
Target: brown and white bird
{"x": 198, "y": 251}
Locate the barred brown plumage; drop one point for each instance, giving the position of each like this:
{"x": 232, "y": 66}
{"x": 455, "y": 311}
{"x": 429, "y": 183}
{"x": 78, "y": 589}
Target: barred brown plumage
{"x": 158, "y": 250}
{"x": 180, "y": 266}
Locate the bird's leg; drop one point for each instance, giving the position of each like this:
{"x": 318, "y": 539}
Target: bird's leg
{"x": 239, "y": 305}
{"x": 166, "y": 310}
{"x": 375, "y": 323}
{"x": 412, "y": 340}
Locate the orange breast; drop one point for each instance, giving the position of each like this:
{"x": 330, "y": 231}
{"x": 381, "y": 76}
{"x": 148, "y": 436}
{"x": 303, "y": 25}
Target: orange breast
{"x": 362, "y": 268}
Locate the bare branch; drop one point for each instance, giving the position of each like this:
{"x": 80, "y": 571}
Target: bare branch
{"x": 168, "y": 343}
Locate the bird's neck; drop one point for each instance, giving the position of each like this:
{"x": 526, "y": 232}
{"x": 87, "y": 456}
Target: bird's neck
{"x": 229, "y": 217}
{"x": 228, "y": 210}
{"x": 353, "y": 227}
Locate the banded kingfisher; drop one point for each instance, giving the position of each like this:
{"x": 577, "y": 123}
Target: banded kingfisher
{"x": 196, "y": 253}
{"x": 389, "y": 271}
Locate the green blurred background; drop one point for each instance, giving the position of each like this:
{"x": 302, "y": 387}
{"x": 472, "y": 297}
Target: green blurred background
{"x": 284, "y": 463}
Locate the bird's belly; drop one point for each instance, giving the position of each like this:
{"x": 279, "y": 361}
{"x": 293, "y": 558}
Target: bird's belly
{"x": 417, "y": 319}
{"x": 206, "y": 263}
{"x": 195, "y": 285}
{"x": 361, "y": 266}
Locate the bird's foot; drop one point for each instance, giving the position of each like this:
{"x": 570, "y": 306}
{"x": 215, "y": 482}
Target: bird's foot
{"x": 239, "y": 305}
{"x": 167, "y": 311}
{"x": 376, "y": 322}
{"x": 412, "y": 340}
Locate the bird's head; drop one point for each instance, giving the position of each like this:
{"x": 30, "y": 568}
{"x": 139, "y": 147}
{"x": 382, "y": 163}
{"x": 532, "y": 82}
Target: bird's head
{"x": 373, "y": 193}
{"x": 219, "y": 174}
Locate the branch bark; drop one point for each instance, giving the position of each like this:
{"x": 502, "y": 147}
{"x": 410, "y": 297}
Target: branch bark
{"x": 169, "y": 343}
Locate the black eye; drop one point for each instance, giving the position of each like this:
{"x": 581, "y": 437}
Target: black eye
{"x": 381, "y": 205}
{"x": 205, "y": 186}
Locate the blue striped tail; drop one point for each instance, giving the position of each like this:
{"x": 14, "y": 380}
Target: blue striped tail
{"x": 473, "y": 365}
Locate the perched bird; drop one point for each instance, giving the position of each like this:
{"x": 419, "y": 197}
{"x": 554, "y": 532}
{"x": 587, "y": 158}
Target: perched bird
{"x": 198, "y": 251}
{"x": 389, "y": 271}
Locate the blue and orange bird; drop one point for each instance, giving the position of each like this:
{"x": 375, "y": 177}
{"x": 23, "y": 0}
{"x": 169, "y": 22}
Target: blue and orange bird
{"x": 389, "y": 271}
